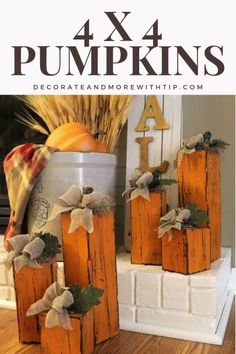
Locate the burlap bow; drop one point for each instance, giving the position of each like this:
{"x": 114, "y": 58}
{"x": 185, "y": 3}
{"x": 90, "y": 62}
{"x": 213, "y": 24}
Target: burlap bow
{"x": 139, "y": 185}
{"x": 56, "y": 301}
{"x": 189, "y": 145}
{"x": 82, "y": 206}
{"x": 25, "y": 252}
{"x": 172, "y": 220}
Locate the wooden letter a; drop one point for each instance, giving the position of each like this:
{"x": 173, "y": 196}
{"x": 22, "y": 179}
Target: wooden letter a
{"x": 152, "y": 110}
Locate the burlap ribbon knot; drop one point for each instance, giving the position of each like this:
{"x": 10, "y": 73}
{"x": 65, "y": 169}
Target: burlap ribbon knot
{"x": 56, "y": 301}
{"x": 82, "y": 206}
{"x": 139, "y": 185}
{"x": 172, "y": 220}
{"x": 25, "y": 252}
{"x": 189, "y": 145}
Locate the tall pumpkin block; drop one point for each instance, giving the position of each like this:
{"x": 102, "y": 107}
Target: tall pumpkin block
{"x": 145, "y": 219}
{"x": 79, "y": 340}
{"x": 187, "y": 252}
{"x": 199, "y": 183}
{"x": 30, "y": 286}
{"x": 91, "y": 258}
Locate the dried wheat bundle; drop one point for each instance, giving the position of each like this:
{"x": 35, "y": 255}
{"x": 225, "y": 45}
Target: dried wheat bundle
{"x": 100, "y": 113}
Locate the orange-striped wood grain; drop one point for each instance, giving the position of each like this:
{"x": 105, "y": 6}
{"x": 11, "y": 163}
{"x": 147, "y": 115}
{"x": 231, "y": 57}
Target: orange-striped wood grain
{"x": 92, "y": 259}
{"x": 30, "y": 286}
{"x": 75, "y": 253}
{"x": 145, "y": 219}
{"x": 187, "y": 252}
{"x": 79, "y": 340}
{"x": 103, "y": 259}
{"x": 199, "y": 183}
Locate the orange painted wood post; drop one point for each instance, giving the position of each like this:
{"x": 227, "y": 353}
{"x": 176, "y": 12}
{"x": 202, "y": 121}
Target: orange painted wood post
{"x": 187, "y": 252}
{"x": 30, "y": 286}
{"x": 79, "y": 340}
{"x": 91, "y": 258}
{"x": 75, "y": 247}
{"x": 199, "y": 183}
{"x": 145, "y": 219}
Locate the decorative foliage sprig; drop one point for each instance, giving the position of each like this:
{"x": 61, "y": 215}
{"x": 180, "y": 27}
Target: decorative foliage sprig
{"x": 82, "y": 203}
{"x": 181, "y": 218}
{"x": 197, "y": 216}
{"x": 158, "y": 182}
{"x": 200, "y": 142}
{"x": 211, "y": 144}
{"x": 31, "y": 251}
{"x": 84, "y": 299}
{"x": 52, "y": 246}
{"x": 143, "y": 183}
{"x": 59, "y": 302}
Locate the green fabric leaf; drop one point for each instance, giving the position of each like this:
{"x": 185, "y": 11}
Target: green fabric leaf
{"x": 191, "y": 207}
{"x": 211, "y": 144}
{"x": 197, "y": 217}
{"x": 85, "y": 298}
{"x": 74, "y": 289}
{"x": 52, "y": 246}
{"x": 218, "y": 144}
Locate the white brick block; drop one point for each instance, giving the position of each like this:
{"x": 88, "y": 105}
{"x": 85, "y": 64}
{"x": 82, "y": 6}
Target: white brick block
{"x": 204, "y": 301}
{"x": 3, "y": 256}
{"x": 212, "y": 278}
{"x": 12, "y": 294}
{"x": 176, "y": 319}
{"x": 1, "y": 243}
{"x": 149, "y": 287}
{"x": 225, "y": 252}
{"x": 126, "y": 286}
{"x": 209, "y": 302}
{"x": 10, "y": 280}
{"x": 3, "y": 275}
{"x": 123, "y": 260}
{"x": 127, "y": 313}
{"x": 232, "y": 284}
{"x": 4, "y": 292}
{"x": 175, "y": 291}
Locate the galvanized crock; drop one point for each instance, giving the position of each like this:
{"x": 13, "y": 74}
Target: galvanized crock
{"x": 63, "y": 170}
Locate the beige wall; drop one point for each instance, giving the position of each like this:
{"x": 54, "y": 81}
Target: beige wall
{"x": 217, "y": 114}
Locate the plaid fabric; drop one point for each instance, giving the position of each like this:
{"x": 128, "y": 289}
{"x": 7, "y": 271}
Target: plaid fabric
{"x": 22, "y": 166}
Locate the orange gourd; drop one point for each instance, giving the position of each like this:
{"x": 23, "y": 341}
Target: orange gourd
{"x": 74, "y": 136}
{"x": 101, "y": 147}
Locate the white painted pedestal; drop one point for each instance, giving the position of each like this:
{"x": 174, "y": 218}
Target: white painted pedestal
{"x": 194, "y": 307}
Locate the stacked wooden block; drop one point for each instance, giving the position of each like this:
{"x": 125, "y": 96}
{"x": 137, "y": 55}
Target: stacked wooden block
{"x": 79, "y": 340}
{"x": 30, "y": 286}
{"x": 199, "y": 183}
{"x": 88, "y": 259}
{"x": 191, "y": 250}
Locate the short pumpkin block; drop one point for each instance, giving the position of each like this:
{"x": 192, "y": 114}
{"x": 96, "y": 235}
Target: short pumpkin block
{"x": 79, "y": 340}
{"x": 145, "y": 219}
{"x": 187, "y": 252}
{"x": 199, "y": 183}
{"x": 91, "y": 258}
{"x": 30, "y": 286}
